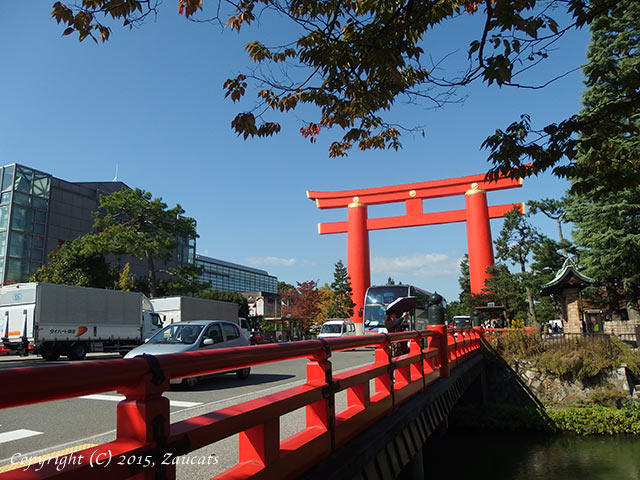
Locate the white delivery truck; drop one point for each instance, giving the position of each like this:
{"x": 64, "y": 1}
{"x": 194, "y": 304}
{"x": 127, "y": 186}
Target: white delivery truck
{"x": 67, "y": 320}
{"x": 182, "y": 309}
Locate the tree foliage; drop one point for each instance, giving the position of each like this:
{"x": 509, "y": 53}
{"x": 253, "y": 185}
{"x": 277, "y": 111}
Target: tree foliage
{"x": 354, "y": 61}
{"x": 183, "y": 280}
{"x": 131, "y": 222}
{"x": 607, "y": 229}
{"x": 606, "y": 220}
{"x": 303, "y": 303}
{"x": 515, "y": 245}
{"x": 76, "y": 264}
{"x": 597, "y": 147}
{"x": 325, "y": 302}
{"x": 342, "y": 304}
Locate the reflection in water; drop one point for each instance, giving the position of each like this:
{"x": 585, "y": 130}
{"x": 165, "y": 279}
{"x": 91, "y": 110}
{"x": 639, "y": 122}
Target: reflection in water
{"x": 530, "y": 456}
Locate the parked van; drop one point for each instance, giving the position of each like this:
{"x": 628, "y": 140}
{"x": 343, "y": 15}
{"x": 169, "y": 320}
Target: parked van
{"x": 337, "y": 328}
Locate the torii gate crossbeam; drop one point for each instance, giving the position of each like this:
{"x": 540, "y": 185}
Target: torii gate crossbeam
{"x": 476, "y": 214}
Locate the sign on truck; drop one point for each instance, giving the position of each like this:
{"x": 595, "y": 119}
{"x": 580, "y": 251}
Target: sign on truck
{"x": 67, "y": 320}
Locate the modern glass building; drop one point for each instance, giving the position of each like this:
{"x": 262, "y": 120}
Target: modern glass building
{"x": 39, "y": 212}
{"x": 237, "y": 278}
{"x": 24, "y": 207}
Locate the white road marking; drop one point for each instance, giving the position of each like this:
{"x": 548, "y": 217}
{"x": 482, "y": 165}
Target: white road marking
{"x": 17, "y": 435}
{"x": 117, "y": 398}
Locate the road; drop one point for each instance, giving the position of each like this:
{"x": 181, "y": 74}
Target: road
{"x": 73, "y": 424}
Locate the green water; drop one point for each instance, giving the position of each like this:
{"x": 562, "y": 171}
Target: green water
{"x": 520, "y": 456}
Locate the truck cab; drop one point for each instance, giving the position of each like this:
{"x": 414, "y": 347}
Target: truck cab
{"x": 151, "y": 323}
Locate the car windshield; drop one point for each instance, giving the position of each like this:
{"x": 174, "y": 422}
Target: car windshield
{"x": 331, "y": 328}
{"x": 187, "y": 334}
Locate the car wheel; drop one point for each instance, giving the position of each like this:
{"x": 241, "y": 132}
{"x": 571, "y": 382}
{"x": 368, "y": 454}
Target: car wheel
{"x": 243, "y": 373}
{"x": 77, "y": 351}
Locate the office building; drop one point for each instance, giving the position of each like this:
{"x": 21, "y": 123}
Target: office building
{"x": 39, "y": 212}
{"x": 233, "y": 277}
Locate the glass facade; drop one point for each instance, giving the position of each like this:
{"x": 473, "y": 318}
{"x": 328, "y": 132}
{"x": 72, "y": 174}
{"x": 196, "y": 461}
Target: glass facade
{"x": 24, "y": 206}
{"x": 186, "y": 251}
{"x": 236, "y": 278}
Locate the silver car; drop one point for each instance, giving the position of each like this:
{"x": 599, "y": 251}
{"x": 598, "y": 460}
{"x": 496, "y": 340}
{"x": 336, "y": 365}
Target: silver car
{"x": 191, "y": 336}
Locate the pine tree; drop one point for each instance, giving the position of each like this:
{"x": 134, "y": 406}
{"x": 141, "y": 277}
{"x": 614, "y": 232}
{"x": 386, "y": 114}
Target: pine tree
{"x": 607, "y": 229}
{"x": 609, "y": 142}
{"x": 606, "y": 221}
{"x": 342, "y": 304}
{"x": 515, "y": 244}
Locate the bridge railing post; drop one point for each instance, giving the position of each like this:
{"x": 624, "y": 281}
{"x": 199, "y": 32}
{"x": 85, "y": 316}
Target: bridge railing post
{"x": 479, "y": 332}
{"x": 416, "y": 369}
{"x": 144, "y": 416}
{"x": 323, "y": 412}
{"x": 443, "y": 345}
{"x": 382, "y": 356}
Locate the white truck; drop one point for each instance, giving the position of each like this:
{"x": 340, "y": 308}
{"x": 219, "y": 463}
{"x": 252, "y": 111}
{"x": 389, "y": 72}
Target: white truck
{"x": 182, "y": 309}
{"x": 56, "y": 320}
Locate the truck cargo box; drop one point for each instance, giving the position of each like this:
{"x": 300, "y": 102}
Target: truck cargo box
{"x": 181, "y": 309}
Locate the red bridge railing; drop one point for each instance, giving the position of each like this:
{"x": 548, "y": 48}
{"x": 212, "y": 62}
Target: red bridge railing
{"x": 146, "y": 442}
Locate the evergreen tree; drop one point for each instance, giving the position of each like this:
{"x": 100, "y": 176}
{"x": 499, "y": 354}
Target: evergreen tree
{"x": 609, "y": 145}
{"x": 76, "y": 264}
{"x": 606, "y": 221}
{"x": 131, "y": 222}
{"x": 515, "y": 245}
{"x": 607, "y": 229}
{"x": 507, "y": 289}
{"x": 555, "y": 210}
{"x": 342, "y": 304}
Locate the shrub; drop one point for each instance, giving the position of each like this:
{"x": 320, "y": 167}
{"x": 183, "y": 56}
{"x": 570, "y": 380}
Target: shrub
{"x": 578, "y": 360}
{"x": 598, "y": 420}
{"x": 609, "y": 397}
{"x": 582, "y": 420}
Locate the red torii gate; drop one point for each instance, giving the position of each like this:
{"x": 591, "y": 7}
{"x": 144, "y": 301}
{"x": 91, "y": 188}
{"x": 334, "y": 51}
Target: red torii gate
{"x": 476, "y": 213}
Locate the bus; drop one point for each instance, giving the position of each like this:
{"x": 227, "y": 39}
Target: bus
{"x": 379, "y": 296}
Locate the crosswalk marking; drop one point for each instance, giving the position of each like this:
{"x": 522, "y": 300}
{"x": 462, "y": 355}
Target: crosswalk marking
{"x": 17, "y": 435}
{"x": 117, "y": 398}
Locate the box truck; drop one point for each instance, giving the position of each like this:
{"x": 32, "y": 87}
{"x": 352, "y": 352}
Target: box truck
{"x": 182, "y": 309}
{"x": 56, "y": 320}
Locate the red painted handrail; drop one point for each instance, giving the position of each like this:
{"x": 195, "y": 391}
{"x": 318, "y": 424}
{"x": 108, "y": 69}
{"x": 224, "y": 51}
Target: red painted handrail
{"x": 145, "y": 434}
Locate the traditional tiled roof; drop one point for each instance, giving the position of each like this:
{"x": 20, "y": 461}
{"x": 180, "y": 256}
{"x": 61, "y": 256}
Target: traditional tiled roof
{"x": 568, "y": 276}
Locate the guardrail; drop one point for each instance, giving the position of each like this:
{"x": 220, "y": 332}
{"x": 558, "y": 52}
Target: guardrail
{"x": 569, "y": 341}
{"x": 146, "y": 443}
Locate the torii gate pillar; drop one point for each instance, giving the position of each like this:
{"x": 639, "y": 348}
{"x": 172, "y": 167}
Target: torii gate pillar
{"x": 358, "y": 258}
{"x": 478, "y": 237}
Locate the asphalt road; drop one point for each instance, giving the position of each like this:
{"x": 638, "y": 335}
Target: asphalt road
{"x": 39, "y": 429}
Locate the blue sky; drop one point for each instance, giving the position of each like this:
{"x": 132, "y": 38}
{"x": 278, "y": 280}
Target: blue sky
{"x": 151, "y": 101}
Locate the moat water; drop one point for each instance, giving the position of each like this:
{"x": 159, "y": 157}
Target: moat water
{"x": 527, "y": 456}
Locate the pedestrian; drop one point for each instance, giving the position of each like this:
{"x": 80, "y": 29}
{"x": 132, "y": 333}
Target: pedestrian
{"x": 393, "y": 323}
